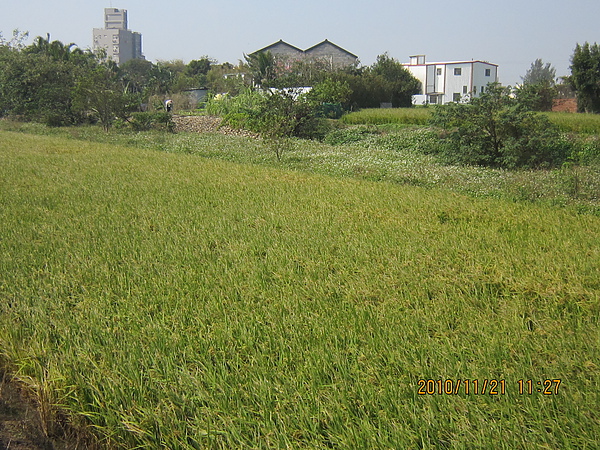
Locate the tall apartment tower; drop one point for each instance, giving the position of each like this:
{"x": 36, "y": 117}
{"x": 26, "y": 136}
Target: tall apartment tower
{"x": 120, "y": 43}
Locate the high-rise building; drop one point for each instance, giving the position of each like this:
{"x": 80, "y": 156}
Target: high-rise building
{"x": 120, "y": 43}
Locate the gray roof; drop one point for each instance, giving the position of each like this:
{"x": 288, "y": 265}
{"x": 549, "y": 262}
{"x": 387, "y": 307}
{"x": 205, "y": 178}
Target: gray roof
{"x": 308, "y": 50}
{"x": 279, "y": 42}
{"x": 327, "y": 42}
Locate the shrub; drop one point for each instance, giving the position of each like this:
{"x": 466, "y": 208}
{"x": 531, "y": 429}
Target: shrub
{"x": 350, "y": 135}
{"x": 496, "y": 130}
{"x": 224, "y": 104}
{"x": 143, "y": 121}
{"x": 280, "y": 115}
{"x": 586, "y": 150}
{"x": 273, "y": 114}
{"x": 330, "y": 91}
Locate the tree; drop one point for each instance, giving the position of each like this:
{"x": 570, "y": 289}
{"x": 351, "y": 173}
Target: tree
{"x": 102, "y": 95}
{"x": 330, "y": 91}
{"x": 280, "y": 116}
{"x": 17, "y": 41}
{"x": 585, "y": 77}
{"x": 262, "y": 67}
{"x": 137, "y": 74}
{"x": 399, "y": 85}
{"x": 36, "y": 87}
{"x": 539, "y": 87}
{"x": 59, "y": 51}
{"x": 540, "y": 73}
{"x": 160, "y": 79}
{"x": 496, "y": 130}
{"x": 199, "y": 67}
{"x": 227, "y": 78}
{"x": 537, "y": 97}
{"x": 301, "y": 72}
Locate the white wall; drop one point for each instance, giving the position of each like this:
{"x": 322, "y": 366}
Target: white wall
{"x": 457, "y": 86}
{"x": 450, "y": 86}
{"x": 419, "y": 73}
{"x": 480, "y": 77}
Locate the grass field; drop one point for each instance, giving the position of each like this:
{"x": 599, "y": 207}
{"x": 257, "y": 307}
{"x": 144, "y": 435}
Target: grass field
{"x": 567, "y": 122}
{"x": 165, "y": 299}
{"x": 397, "y": 156}
{"x": 380, "y": 116}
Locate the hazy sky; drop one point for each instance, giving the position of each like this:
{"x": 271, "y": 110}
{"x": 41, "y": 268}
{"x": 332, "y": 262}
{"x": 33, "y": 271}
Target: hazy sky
{"x": 510, "y": 33}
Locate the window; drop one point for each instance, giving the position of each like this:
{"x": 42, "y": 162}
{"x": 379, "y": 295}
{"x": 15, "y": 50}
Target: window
{"x": 488, "y": 72}
{"x": 482, "y": 89}
{"x": 433, "y": 99}
{"x": 456, "y": 97}
{"x": 465, "y": 89}
{"x": 457, "y": 71}
{"x": 439, "y": 71}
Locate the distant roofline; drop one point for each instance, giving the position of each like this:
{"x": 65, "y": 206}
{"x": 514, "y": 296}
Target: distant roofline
{"x": 327, "y": 41}
{"x": 439, "y": 63}
{"x": 281, "y": 41}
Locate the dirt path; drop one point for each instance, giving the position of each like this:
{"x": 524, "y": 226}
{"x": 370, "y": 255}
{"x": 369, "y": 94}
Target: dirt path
{"x": 20, "y": 424}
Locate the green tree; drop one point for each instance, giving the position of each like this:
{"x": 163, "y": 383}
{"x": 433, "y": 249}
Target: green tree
{"x": 301, "y": 72}
{"x": 199, "y": 67}
{"x": 102, "y": 95}
{"x": 398, "y": 84}
{"x": 538, "y": 90}
{"x": 58, "y": 51}
{"x": 17, "y": 41}
{"x": 538, "y": 96}
{"x": 330, "y": 91}
{"x": 36, "y": 87}
{"x": 280, "y": 116}
{"x": 262, "y": 67}
{"x": 585, "y": 77}
{"x": 540, "y": 73}
{"x": 495, "y": 129}
{"x": 226, "y": 78}
{"x": 137, "y": 74}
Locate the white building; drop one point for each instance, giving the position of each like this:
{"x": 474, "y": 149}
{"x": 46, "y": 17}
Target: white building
{"x": 119, "y": 43}
{"x": 454, "y": 81}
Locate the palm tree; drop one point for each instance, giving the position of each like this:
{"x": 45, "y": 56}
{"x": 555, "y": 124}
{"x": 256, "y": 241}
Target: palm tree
{"x": 262, "y": 67}
{"x": 56, "y": 49}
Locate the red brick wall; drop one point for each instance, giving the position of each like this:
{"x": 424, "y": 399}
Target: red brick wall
{"x": 565, "y": 105}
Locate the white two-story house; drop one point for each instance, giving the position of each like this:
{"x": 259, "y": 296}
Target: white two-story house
{"x": 454, "y": 81}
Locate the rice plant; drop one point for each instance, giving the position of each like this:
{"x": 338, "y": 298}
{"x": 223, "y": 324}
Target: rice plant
{"x": 168, "y": 300}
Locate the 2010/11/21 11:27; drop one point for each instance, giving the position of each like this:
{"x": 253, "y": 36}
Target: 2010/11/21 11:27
{"x": 486, "y": 386}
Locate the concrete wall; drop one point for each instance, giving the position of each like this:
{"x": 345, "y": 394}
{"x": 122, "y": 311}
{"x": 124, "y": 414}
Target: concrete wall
{"x": 120, "y": 45}
{"x": 330, "y": 53}
{"x": 283, "y": 49}
{"x": 458, "y": 82}
{"x": 325, "y": 51}
{"x": 483, "y": 74}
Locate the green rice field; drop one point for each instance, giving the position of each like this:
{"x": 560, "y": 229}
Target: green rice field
{"x": 174, "y": 299}
{"x": 567, "y": 122}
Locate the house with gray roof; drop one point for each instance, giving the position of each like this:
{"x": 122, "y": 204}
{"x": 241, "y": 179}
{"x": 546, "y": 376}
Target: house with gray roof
{"x": 326, "y": 51}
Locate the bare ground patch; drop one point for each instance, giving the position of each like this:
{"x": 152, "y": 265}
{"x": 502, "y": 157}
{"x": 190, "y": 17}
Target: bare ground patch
{"x": 21, "y": 425}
